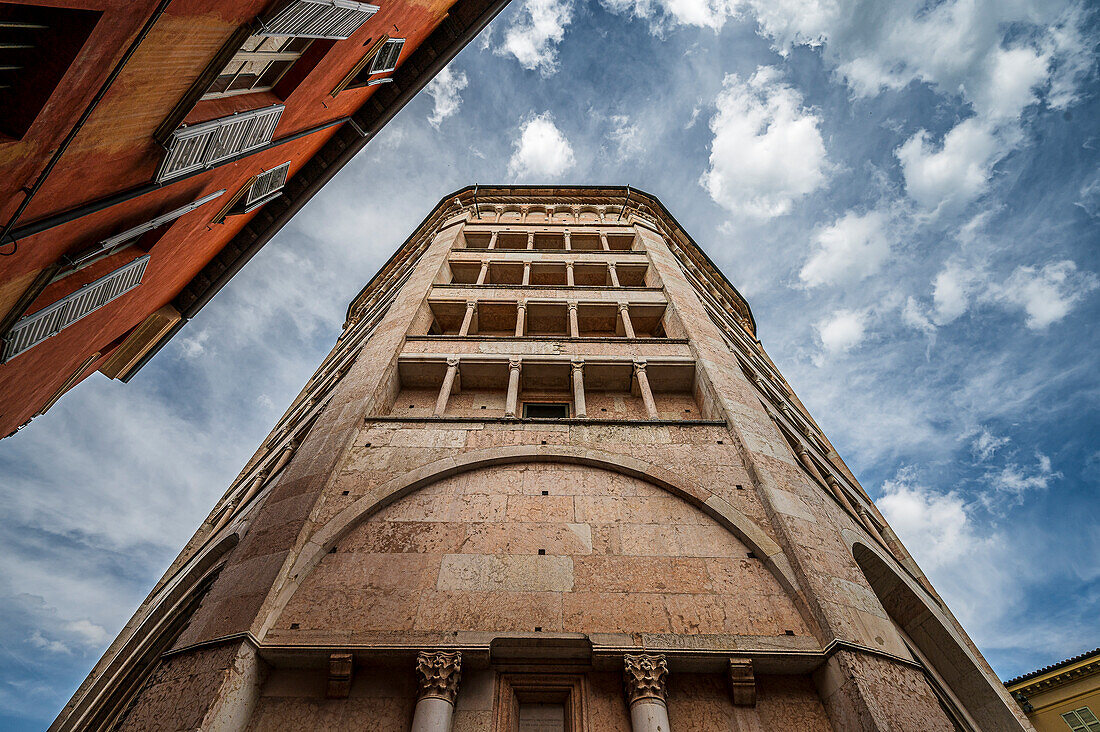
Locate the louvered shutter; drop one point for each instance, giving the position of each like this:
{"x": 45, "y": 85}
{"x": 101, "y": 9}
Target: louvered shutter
{"x": 267, "y": 183}
{"x": 334, "y": 19}
{"x": 208, "y": 143}
{"x": 386, "y": 59}
{"x": 33, "y": 329}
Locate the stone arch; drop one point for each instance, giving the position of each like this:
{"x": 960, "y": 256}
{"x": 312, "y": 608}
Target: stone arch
{"x": 937, "y": 638}
{"x": 737, "y": 523}
{"x": 127, "y": 667}
{"x": 537, "y": 215}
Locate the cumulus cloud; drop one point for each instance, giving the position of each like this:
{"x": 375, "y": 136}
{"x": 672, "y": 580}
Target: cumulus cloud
{"x": 535, "y": 33}
{"x": 1044, "y": 294}
{"x": 1047, "y": 294}
{"x": 445, "y": 90}
{"x": 541, "y": 150}
{"x": 767, "y": 150}
{"x": 954, "y": 173}
{"x": 852, "y": 248}
{"x": 841, "y": 331}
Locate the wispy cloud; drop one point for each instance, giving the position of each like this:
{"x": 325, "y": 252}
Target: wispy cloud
{"x": 540, "y": 151}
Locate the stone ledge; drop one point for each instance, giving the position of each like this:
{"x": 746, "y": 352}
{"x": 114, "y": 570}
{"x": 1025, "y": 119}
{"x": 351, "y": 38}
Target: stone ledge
{"x": 566, "y": 420}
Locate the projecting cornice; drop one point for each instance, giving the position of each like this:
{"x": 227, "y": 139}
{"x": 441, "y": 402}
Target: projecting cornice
{"x": 621, "y": 204}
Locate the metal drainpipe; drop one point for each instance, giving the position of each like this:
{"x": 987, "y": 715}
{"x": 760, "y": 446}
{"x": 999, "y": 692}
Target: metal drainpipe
{"x": 146, "y": 29}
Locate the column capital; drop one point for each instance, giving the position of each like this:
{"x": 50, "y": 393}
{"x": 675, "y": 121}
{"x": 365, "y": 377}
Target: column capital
{"x": 471, "y": 304}
{"x": 577, "y": 364}
{"x": 437, "y": 675}
{"x": 521, "y": 305}
{"x": 452, "y": 362}
{"x": 572, "y": 304}
{"x": 515, "y": 364}
{"x": 639, "y": 365}
{"x": 624, "y": 306}
{"x": 645, "y": 676}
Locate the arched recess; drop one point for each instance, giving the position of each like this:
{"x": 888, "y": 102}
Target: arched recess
{"x": 102, "y": 706}
{"x": 938, "y": 644}
{"x": 740, "y": 525}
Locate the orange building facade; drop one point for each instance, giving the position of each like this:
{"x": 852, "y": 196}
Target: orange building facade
{"x": 149, "y": 148}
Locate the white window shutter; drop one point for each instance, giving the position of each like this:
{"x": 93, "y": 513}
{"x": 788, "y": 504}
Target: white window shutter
{"x": 334, "y": 19}
{"x": 51, "y": 320}
{"x": 267, "y": 183}
{"x": 208, "y": 143}
{"x": 386, "y": 58}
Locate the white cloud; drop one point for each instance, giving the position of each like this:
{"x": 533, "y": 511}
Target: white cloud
{"x": 842, "y": 330}
{"x": 541, "y": 150}
{"x": 853, "y": 247}
{"x": 956, "y": 172}
{"x": 711, "y": 14}
{"x": 1047, "y": 295}
{"x": 535, "y": 33}
{"x": 1016, "y": 480}
{"x": 626, "y": 136}
{"x": 934, "y": 526}
{"x": 445, "y": 91}
{"x": 951, "y": 291}
{"x": 767, "y": 150}
{"x": 986, "y": 443}
{"x": 194, "y": 345}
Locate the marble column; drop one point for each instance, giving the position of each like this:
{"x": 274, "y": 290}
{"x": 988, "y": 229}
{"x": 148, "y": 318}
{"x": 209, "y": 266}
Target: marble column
{"x": 468, "y": 318}
{"x": 574, "y": 326}
{"x": 521, "y": 318}
{"x": 530, "y": 240}
{"x": 645, "y": 678}
{"x": 644, "y": 389}
{"x": 603, "y": 242}
{"x": 613, "y": 274}
{"x": 628, "y": 326}
{"x": 577, "y": 368}
{"x": 512, "y": 401}
{"x": 493, "y": 240}
{"x": 526, "y": 273}
{"x": 569, "y": 279}
{"x": 437, "y": 677}
{"x": 568, "y": 242}
{"x": 483, "y": 274}
{"x": 448, "y": 386}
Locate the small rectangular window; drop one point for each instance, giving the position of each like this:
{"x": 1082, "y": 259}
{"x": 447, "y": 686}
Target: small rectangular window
{"x": 335, "y": 19}
{"x": 32, "y": 329}
{"x": 208, "y": 143}
{"x": 1082, "y": 720}
{"x": 258, "y": 66}
{"x": 539, "y": 717}
{"x": 545, "y": 410}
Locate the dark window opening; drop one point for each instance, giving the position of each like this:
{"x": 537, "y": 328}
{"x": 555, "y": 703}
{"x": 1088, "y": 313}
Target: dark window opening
{"x": 37, "y": 46}
{"x": 258, "y": 65}
{"x": 545, "y": 410}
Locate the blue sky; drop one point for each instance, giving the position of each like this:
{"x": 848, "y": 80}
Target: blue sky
{"x": 908, "y": 193}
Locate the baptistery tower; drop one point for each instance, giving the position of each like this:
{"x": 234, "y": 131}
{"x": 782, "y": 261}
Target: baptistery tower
{"x": 547, "y": 479}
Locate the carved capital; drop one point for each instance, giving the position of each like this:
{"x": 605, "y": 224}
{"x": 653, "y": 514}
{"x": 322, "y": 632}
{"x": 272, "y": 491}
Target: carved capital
{"x": 437, "y": 675}
{"x": 624, "y": 306}
{"x": 572, "y": 306}
{"x": 452, "y": 362}
{"x": 577, "y": 365}
{"x": 742, "y": 682}
{"x": 645, "y": 676}
{"x": 515, "y": 364}
{"x": 639, "y": 366}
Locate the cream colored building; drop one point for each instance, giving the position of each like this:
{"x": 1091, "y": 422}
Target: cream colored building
{"x": 1062, "y": 697}
{"x": 547, "y": 479}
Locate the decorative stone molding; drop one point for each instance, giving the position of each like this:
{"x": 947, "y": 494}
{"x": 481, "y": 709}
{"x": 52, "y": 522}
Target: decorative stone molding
{"x": 645, "y": 676}
{"x": 742, "y": 682}
{"x": 437, "y": 675}
{"x": 341, "y": 668}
